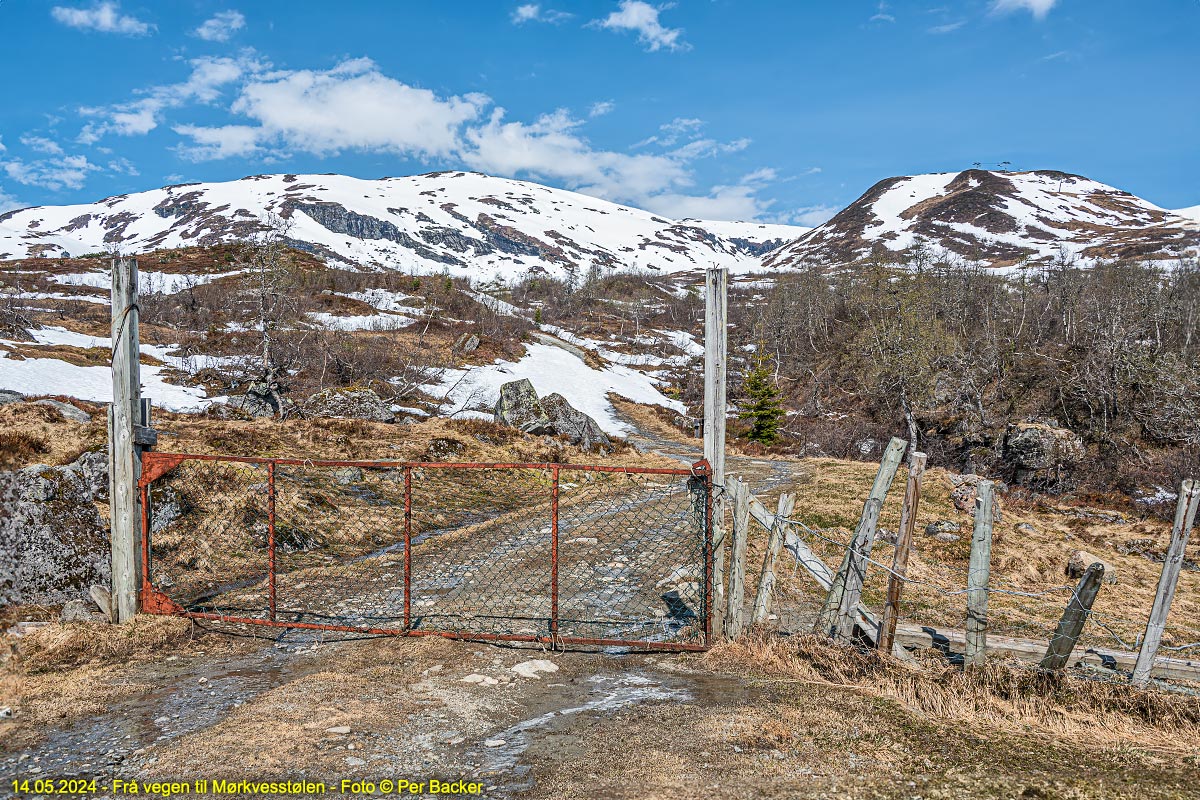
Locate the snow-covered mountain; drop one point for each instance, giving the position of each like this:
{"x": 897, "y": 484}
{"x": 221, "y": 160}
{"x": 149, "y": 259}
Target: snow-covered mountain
{"x": 466, "y": 223}
{"x": 997, "y": 219}
{"x": 1192, "y": 212}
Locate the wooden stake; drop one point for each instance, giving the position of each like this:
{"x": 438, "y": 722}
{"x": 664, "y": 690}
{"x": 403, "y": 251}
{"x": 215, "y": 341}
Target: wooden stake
{"x": 904, "y": 542}
{"x": 766, "y": 580}
{"x": 715, "y": 403}
{"x": 124, "y": 456}
{"x": 1185, "y": 517}
{"x": 977, "y": 576}
{"x": 879, "y": 489}
{"x": 735, "y": 620}
{"x": 856, "y": 570}
{"x": 1071, "y": 624}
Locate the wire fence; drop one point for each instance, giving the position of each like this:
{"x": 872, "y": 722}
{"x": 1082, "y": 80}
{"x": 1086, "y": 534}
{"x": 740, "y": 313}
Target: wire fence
{"x": 550, "y": 553}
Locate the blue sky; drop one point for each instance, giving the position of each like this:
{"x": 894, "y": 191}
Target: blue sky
{"x": 726, "y": 109}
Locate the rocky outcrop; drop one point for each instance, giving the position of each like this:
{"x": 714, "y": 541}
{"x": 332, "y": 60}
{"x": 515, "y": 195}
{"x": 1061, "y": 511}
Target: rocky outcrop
{"x": 351, "y": 403}
{"x": 53, "y": 542}
{"x": 1039, "y": 452}
{"x": 258, "y": 401}
{"x": 577, "y": 426}
{"x": 519, "y": 407}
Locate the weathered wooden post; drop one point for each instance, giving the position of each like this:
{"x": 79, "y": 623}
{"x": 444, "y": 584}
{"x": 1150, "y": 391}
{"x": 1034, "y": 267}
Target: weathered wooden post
{"x": 766, "y": 580}
{"x": 846, "y": 614}
{"x": 716, "y": 281}
{"x": 904, "y": 542}
{"x": 125, "y": 417}
{"x": 879, "y": 489}
{"x": 735, "y": 620}
{"x": 1073, "y": 618}
{"x": 977, "y": 576}
{"x": 1185, "y": 517}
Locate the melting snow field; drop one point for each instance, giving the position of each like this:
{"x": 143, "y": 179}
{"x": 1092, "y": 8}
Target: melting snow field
{"x": 553, "y": 369}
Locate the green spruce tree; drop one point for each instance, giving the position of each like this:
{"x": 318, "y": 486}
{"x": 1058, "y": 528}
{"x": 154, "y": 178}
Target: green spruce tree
{"x": 762, "y": 407}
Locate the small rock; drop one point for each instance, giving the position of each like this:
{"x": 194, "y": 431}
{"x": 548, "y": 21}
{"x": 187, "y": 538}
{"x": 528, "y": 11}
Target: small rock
{"x": 1025, "y": 527}
{"x": 69, "y": 412}
{"x": 1080, "y": 560}
{"x": 942, "y": 526}
{"x": 75, "y": 611}
{"x": 354, "y": 761}
{"x": 494, "y": 743}
{"x": 102, "y": 598}
{"x": 530, "y": 669}
{"x": 341, "y": 730}
{"x": 482, "y": 680}
{"x": 5, "y": 712}
{"x": 162, "y": 720}
{"x": 947, "y": 537}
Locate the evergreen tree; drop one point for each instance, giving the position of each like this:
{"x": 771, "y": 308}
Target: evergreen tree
{"x": 762, "y": 407}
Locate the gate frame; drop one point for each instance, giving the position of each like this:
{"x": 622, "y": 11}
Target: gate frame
{"x": 153, "y": 600}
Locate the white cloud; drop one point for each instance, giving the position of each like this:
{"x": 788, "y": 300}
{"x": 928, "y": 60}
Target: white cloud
{"x": 67, "y": 172}
{"x": 949, "y": 27}
{"x": 642, "y": 18}
{"x": 601, "y": 108}
{"x": 810, "y": 216}
{"x": 41, "y": 144}
{"x": 221, "y": 26}
{"x": 123, "y": 166}
{"x": 881, "y": 14}
{"x": 350, "y": 107}
{"x": 209, "y": 76}
{"x": 104, "y": 17}
{"x": 1039, "y": 8}
{"x": 224, "y": 141}
{"x": 533, "y": 12}
{"x": 8, "y": 202}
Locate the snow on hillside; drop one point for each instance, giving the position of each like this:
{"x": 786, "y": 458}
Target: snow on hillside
{"x": 1192, "y": 212}
{"x": 1001, "y": 219}
{"x": 465, "y": 223}
{"x": 554, "y": 369}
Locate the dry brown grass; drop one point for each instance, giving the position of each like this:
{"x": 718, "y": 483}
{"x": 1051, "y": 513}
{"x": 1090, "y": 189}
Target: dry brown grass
{"x": 36, "y": 434}
{"x": 63, "y": 646}
{"x": 999, "y": 696}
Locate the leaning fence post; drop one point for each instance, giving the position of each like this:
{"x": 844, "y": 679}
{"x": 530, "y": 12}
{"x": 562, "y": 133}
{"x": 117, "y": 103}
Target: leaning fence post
{"x": 879, "y": 489}
{"x": 737, "y": 559}
{"x": 123, "y": 454}
{"x": 904, "y": 541}
{"x": 715, "y": 354}
{"x": 766, "y": 580}
{"x": 1185, "y": 517}
{"x": 846, "y": 613}
{"x": 1071, "y": 624}
{"x": 977, "y": 576}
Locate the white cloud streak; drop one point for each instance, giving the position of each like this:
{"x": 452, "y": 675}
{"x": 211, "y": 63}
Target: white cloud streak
{"x": 533, "y": 12}
{"x": 65, "y": 172}
{"x": 103, "y": 17}
{"x": 642, "y": 18}
{"x": 221, "y": 26}
{"x": 1039, "y": 8}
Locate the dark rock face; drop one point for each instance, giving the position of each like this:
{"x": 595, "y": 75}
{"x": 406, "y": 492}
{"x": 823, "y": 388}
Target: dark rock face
{"x": 578, "y": 427}
{"x": 350, "y": 404}
{"x": 519, "y": 407}
{"x": 1038, "y": 452}
{"x": 53, "y": 542}
{"x": 338, "y": 219}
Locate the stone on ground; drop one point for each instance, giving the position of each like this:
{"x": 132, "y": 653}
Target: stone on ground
{"x": 577, "y": 426}
{"x": 518, "y": 407}
{"x": 1080, "y": 560}
{"x": 351, "y": 403}
{"x": 531, "y": 668}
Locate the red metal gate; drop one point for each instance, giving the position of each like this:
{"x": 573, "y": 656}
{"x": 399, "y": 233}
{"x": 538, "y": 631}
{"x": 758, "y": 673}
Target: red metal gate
{"x": 560, "y": 554}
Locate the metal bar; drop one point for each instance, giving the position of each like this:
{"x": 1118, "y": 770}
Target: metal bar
{"x": 407, "y": 548}
{"x": 271, "y": 537}
{"x": 708, "y": 553}
{"x": 554, "y": 556}
{"x": 468, "y": 636}
{"x": 145, "y": 493}
{"x": 300, "y": 462}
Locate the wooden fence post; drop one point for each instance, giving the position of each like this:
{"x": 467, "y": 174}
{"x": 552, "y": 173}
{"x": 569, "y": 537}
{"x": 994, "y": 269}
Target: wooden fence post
{"x": 845, "y": 615}
{"x": 1071, "y": 624}
{"x": 715, "y": 354}
{"x": 1185, "y": 517}
{"x": 124, "y": 455}
{"x": 977, "y": 576}
{"x": 879, "y": 489}
{"x": 735, "y": 620}
{"x": 904, "y": 541}
{"x": 766, "y": 580}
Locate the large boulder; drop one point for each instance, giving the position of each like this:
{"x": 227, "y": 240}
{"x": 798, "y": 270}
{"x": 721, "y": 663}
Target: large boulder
{"x": 352, "y": 403}
{"x": 1080, "y": 560}
{"x": 53, "y": 543}
{"x": 1039, "y": 452}
{"x": 577, "y": 426}
{"x": 519, "y": 407}
{"x": 258, "y": 401}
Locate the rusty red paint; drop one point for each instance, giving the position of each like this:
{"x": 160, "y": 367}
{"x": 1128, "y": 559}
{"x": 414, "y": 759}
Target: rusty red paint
{"x": 271, "y": 539}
